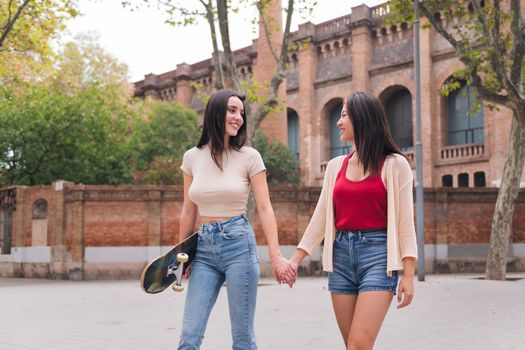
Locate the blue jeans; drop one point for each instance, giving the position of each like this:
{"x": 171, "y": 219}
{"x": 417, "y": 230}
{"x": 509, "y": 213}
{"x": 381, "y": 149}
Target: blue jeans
{"x": 360, "y": 263}
{"x": 226, "y": 252}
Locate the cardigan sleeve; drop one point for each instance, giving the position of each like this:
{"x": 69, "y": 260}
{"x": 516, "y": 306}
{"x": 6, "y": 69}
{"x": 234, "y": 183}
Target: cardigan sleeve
{"x": 406, "y": 230}
{"x": 315, "y": 231}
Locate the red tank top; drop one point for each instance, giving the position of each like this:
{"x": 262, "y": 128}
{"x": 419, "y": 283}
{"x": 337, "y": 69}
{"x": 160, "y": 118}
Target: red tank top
{"x": 359, "y": 205}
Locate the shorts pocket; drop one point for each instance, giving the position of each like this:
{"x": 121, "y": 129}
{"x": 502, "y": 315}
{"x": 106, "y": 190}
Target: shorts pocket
{"x": 374, "y": 239}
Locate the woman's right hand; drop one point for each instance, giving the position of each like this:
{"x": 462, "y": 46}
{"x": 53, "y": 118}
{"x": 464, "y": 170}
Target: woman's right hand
{"x": 283, "y": 272}
{"x": 187, "y": 273}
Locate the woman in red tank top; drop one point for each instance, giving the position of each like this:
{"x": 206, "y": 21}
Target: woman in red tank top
{"x": 361, "y": 284}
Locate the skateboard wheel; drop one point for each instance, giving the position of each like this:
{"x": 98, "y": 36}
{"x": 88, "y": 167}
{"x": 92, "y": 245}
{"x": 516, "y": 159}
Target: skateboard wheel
{"x": 178, "y": 288}
{"x": 182, "y": 257}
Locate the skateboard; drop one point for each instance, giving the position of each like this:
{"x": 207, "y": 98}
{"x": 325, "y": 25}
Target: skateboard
{"x": 169, "y": 268}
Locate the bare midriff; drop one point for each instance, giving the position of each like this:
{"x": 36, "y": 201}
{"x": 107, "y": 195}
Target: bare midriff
{"x": 210, "y": 219}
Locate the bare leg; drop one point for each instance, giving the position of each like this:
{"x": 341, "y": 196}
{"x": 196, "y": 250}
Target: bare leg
{"x": 344, "y": 306}
{"x": 369, "y": 313}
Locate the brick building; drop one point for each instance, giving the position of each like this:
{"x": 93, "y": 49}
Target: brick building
{"x": 356, "y": 52}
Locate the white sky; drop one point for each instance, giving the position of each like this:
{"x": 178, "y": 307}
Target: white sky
{"x": 146, "y": 44}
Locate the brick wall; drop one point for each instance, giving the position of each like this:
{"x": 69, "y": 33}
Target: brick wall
{"x": 96, "y": 232}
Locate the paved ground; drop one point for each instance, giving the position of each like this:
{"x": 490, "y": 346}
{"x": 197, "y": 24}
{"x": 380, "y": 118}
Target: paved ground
{"x": 449, "y": 312}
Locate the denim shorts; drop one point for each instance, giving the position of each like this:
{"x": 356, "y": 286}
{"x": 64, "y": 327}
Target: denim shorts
{"x": 359, "y": 261}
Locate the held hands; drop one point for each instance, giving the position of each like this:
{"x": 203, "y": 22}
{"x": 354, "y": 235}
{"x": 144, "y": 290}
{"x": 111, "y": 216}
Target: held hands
{"x": 283, "y": 271}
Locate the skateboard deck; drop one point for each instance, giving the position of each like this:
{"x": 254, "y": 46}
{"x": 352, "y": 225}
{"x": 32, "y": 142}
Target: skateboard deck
{"x": 169, "y": 268}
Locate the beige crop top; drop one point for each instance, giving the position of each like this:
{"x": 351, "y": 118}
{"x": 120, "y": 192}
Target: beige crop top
{"x": 221, "y": 193}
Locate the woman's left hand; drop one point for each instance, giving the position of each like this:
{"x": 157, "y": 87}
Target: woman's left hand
{"x": 283, "y": 271}
{"x": 405, "y": 291}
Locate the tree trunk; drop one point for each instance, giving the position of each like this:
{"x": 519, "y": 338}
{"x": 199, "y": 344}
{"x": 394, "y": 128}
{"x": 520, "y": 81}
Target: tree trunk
{"x": 510, "y": 184}
{"x": 216, "y": 58}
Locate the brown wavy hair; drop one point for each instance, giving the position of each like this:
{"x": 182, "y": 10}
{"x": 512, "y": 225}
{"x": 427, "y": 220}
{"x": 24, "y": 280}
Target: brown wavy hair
{"x": 372, "y": 136}
{"x": 213, "y": 127}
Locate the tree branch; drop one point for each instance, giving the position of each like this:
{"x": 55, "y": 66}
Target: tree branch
{"x": 493, "y": 40}
{"x": 260, "y": 8}
{"x": 222, "y": 13}
{"x": 272, "y": 101}
{"x": 518, "y": 48}
{"x": 462, "y": 51}
{"x": 216, "y": 58}
{"x": 9, "y": 25}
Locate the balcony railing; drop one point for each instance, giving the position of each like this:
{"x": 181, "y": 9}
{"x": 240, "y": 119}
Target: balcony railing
{"x": 462, "y": 153}
{"x": 380, "y": 10}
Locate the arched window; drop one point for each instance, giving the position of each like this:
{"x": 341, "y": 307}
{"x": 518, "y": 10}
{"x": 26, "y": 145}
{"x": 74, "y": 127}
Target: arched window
{"x": 337, "y": 147}
{"x": 40, "y": 209}
{"x": 399, "y": 114}
{"x": 446, "y": 181}
{"x": 479, "y": 179}
{"x": 463, "y": 180}
{"x": 293, "y": 132}
{"x": 465, "y": 118}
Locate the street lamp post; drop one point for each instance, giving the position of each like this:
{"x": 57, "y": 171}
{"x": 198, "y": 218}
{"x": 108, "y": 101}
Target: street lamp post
{"x": 420, "y": 214}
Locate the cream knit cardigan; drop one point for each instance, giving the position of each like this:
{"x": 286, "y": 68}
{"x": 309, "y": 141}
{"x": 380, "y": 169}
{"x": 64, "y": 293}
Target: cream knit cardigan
{"x": 401, "y": 234}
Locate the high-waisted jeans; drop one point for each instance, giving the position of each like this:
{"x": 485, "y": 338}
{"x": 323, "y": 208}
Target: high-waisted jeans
{"x": 226, "y": 252}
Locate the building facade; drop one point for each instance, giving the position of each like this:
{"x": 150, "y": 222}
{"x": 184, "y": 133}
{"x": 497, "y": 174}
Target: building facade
{"x": 463, "y": 146}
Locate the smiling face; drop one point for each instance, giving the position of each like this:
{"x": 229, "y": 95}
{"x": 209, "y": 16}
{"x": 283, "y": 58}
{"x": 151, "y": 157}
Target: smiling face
{"x": 346, "y": 129}
{"x": 233, "y": 120}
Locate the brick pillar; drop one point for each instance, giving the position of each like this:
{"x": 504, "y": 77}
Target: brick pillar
{"x": 310, "y": 137}
{"x": 428, "y": 94}
{"x": 151, "y": 87}
{"x": 57, "y": 240}
{"x": 18, "y": 238}
{"x": 18, "y": 222}
{"x": 361, "y": 47}
{"x": 184, "y": 91}
{"x": 275, "y": 124}
{"x": 154, "y": 206}
{"x": 75, "y": 232}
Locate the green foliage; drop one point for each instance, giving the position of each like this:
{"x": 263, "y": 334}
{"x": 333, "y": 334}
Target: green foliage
{"x": 160, "y": 142}
{"x": 483, "y": 35}
{"x": 163, "y": 170}
{"x": 48, "y": 135}
{"x": 26, "y": 49}
{"x": 84, "y": 62}
{"x": 281, "y": 163}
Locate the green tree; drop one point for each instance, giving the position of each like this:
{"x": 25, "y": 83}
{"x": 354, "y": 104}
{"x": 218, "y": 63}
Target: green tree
{"x": 48, "y": 135}
{"x": 281, "y": 164}
{"x": 160, "y": 141}
{"x": 27, "y": 29}
{"x": 489, "y": 39}
{"x": 71, "y": 122}
{"x": 83, "y": 62}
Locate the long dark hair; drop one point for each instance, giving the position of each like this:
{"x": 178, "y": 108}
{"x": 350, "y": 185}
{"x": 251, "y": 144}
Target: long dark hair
{"x": 213, "y": 127}
{"x": 372, "y": 136}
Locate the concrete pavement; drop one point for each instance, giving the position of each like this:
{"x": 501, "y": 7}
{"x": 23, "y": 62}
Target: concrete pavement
{"x": 449, "y": 312}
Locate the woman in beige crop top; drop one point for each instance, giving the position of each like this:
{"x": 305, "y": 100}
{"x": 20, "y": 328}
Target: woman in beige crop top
{"x": 218, "y": 174}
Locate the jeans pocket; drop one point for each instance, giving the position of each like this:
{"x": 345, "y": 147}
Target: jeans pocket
{"x": 234, "y": 232}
